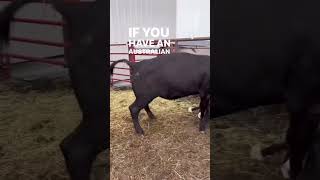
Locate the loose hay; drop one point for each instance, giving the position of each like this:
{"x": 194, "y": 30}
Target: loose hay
{"x": 32, "y": 124}
{"x": 172, "y": 147}
{"x": 233, "y": 137}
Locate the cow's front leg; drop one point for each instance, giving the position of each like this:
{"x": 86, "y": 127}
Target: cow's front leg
{"x": 205, "y": 113}
{"x": 298, "y": 137}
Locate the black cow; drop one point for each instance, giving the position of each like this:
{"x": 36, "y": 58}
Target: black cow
{"x": 312, "y": 160}
{"x": 87, "y": 31}
{"x": 268, "y": 52}
{"x": 169, "y": 76}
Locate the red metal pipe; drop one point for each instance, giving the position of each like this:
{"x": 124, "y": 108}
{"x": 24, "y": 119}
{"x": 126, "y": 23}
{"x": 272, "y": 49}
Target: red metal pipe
{"x": 119, "y": 53}
{"x": 118, "y": 44}
{"x": 34, "y": 59}
{"x": 21, "y": 62}
{"x": 121, "y": 74}
{"x": 118, "y": 80}
{"x": 39, "y": 21}
{"x": 121, "y": 68}
{"x": 48, "y": 43}
{"x": 144, "y": 54}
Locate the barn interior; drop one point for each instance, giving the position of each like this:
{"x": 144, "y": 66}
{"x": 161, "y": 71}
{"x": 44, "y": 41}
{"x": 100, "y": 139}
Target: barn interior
{"x": 37, "y": 105}
{"x": 38, "y": 109}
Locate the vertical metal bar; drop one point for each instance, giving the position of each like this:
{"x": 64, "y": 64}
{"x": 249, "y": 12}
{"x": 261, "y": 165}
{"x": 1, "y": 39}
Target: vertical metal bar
{"x": 7, "y": 67}
{"x": 66, "y": 41}
{"x": 132, "y": 57}
{"x": 176, "y": 44}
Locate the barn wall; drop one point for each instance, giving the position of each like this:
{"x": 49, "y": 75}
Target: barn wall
{"x": 140, "y": 13}
{"x": 185, "y": 18}
{"x": 193, "y": 18}
{"x": 137, "y": 13}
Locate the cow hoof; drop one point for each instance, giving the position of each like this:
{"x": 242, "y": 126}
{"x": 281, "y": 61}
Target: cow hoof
{"x": 255, "y": 153}
{"x": 190, "y": 109}
{"x": 199, "y": 115}
{"x": 140, "y": 132}
{"x": 285, "y": 169}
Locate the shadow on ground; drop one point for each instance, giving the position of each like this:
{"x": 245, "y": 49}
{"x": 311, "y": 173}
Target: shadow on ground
{"x": 233, "y": 136}
{"x": 32, "y": 124}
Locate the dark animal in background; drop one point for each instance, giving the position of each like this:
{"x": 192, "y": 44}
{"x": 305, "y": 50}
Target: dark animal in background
{"x": 311, "y": 160}
{"x": 87, "y": 31}
{"x": 311, "y": 167}
{"x": 268, "y": 52}
{"x": 170, "y": 77}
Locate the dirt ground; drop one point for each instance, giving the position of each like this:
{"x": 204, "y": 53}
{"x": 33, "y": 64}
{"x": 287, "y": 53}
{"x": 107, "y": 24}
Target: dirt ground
{"x": 172, "y": 147}
{"x": 233, "y": 137}
{"x": 32, "y": 124}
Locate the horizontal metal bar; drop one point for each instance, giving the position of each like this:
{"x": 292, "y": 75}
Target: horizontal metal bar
{"x": 39, "y": 21}
{"x": 54, "y": 57}
{"x": 144, "y": 54}
{"x": 118, "y": 44}
{"x": 119, "y": 80}
{"x": 120, "y": 53}
{"x": 21, "y": 62}
{"x": 35, "y": 59}
{"x": 48, "y": 43}
{"x": 121, "y": 68}
{"x": 49, "y": 57}
{"x": 173, "y": 39}
{"x": 121, "y": 74}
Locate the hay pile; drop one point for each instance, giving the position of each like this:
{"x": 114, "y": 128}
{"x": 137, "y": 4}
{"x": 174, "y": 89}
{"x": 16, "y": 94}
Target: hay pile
{"x": 32, "y": 124}
{"x": 233, "y": 136}
{"x": 172, "y": 147}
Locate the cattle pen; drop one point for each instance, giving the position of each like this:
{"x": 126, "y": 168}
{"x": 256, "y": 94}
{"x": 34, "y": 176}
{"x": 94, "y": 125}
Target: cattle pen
{"x": 38, "y": 109}
{"x": 172, "y": 147}
{"x": 33, "y": 122}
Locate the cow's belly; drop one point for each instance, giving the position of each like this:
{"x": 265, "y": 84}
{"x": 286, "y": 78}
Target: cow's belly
{"x": 175, "y": 94}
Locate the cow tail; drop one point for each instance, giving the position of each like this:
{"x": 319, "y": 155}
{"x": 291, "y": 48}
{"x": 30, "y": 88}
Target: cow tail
{"x": 6, "y": 16}
{"x": 130, "y": 64}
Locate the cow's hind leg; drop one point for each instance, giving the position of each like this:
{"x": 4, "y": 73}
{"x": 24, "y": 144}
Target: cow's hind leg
{"x": 297, "y": 137}
{"x": 149, "y": 112}
{"x": 135, "y": 109}
{"x": 80, "y": 151}
{"x": 205, "y": 111}
{"x": 303, "y": 88}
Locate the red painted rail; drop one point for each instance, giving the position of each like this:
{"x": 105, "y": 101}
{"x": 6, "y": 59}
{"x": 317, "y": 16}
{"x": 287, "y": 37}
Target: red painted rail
{"x": 5, "y": 62}
{"x": 39, "y": 21}
{"x": 35, "y": 59}
{"x": 32, "y": 41}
